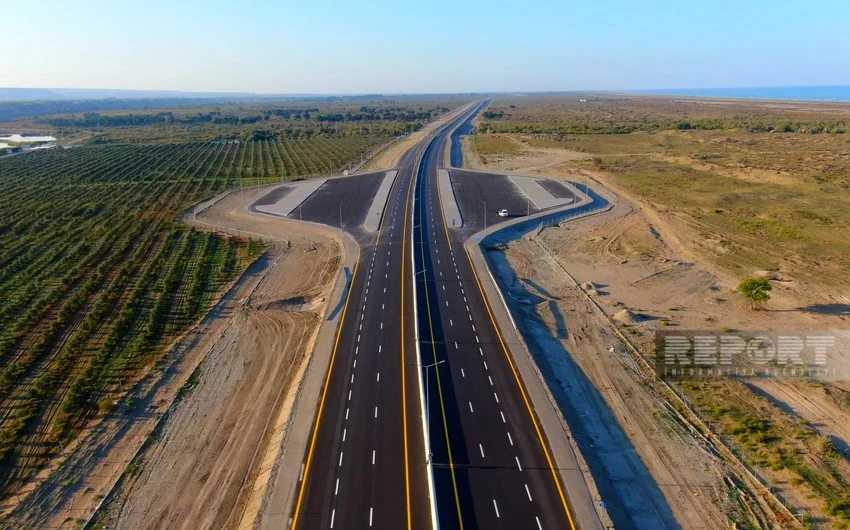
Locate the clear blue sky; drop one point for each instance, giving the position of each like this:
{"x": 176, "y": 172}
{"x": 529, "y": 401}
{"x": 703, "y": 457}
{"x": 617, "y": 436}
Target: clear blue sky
{"x": 436, "y": 46}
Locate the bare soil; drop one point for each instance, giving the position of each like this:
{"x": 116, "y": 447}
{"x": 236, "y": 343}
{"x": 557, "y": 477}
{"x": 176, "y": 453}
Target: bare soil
{"x": 209, "y": 451}
{"x": 649, "y": 267}
{"x": 210, "y": 466}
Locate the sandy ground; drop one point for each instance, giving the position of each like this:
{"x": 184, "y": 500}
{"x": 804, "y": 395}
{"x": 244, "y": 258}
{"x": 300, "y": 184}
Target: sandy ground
{"x": 75, "y": 483}
{"x": 209, "y": 465}
{"x": 214, "y": 449}
{"x": 658, "y": 474}
{"x": 637, "y": 259}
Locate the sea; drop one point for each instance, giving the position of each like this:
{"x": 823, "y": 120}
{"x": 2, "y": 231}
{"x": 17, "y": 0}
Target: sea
{"x": 792, "y": 93}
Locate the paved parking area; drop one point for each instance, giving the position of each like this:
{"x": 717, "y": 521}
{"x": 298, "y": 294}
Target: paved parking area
{"x": 472, "y": 189}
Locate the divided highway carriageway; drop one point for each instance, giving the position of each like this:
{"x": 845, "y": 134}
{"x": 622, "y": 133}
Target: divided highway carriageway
{"x": 481, "y": 457}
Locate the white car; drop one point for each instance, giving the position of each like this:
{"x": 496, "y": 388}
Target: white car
{"x": 503, "y": 213}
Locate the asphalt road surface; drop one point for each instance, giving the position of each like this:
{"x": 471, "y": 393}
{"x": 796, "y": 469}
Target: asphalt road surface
{"x": 490, "y": 462}
{"x": 556, "y": 189}
{"x": 479, "y": 193}
{"x": 366, "y": 465}
{"x": 343, "y": 201}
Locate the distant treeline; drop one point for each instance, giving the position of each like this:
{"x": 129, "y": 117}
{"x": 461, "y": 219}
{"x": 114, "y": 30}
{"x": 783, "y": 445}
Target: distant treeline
{"x": 366, "y": 114}
{"x": 10, "y": 110}
{"x": 94, "y": 119}
{"x": 812, "y": 127}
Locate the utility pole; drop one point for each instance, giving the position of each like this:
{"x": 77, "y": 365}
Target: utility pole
{"x": 428, "y": 401}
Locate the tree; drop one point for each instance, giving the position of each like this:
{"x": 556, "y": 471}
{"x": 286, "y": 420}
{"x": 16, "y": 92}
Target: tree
{"x": 756, "y": 290}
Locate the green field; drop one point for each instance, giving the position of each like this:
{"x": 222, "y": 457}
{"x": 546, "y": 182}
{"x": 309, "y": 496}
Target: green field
{"x": 97, "y": 276}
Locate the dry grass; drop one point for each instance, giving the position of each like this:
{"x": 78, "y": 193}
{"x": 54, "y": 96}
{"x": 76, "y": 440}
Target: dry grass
{"x": 776, "y": 201}
{"x": 788, "y": 450}
{"x": 729, "y": 197}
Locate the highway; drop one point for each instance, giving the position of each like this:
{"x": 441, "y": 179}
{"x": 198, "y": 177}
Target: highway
{"x": 492, "y": 468}
{"x": 359, "y": 470}
{"x": 366, "y": 464}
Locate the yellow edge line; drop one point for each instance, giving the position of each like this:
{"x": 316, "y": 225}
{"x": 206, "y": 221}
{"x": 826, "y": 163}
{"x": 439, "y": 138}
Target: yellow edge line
{"x": 524, "y": 396}
{"x": 403, "y": 364}
{"x": 307, "y": 465}
{"x": 439, "y": 384}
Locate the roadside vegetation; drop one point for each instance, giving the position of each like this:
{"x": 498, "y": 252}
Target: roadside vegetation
{"x": 775, "y": 201}
{"x": 751, "y": 190}
{"x": 99, "y": 277}
{"x": 784, "y": 448}
{"x": 594, "y": 114}
{"x": 259, "y": 119}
